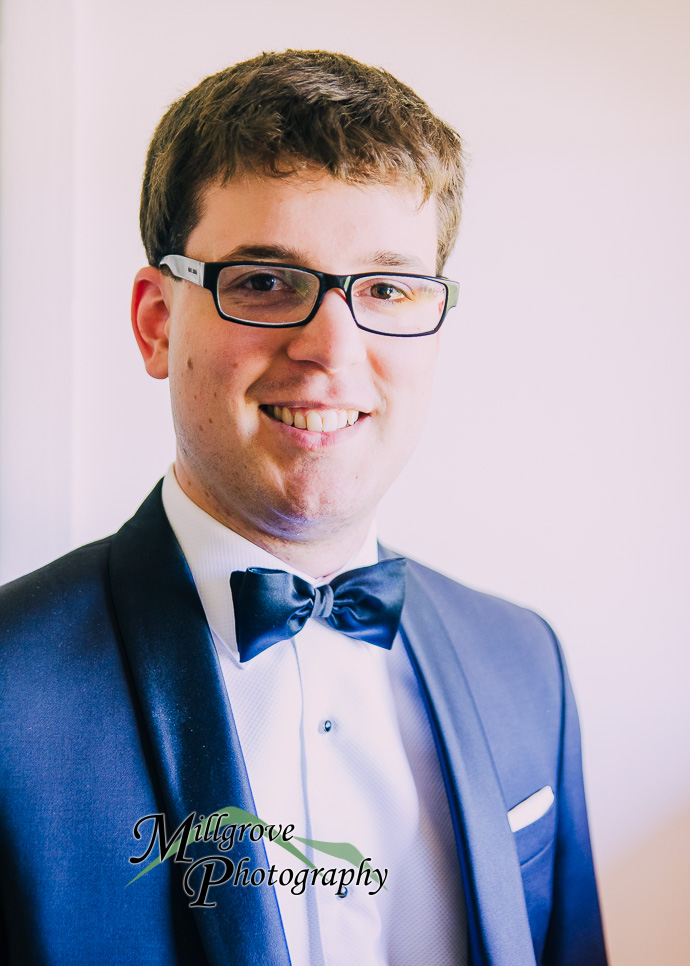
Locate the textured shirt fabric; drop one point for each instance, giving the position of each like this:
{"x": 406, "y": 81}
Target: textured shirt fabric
{"x": 337, "y": 742}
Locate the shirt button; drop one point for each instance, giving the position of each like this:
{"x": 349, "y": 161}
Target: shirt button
{"x": 326, "y": 725}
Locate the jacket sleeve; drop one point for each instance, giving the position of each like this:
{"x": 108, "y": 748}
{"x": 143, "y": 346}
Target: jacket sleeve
{"x": 575, "y": 935}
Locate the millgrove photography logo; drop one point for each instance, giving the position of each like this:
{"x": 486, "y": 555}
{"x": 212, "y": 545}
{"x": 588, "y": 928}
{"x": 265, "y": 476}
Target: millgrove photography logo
{"x": 228, "y": 827}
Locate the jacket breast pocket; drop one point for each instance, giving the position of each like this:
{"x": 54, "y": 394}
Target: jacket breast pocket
{"x": 536, "y": 849}
{"x": 537, "y": 836}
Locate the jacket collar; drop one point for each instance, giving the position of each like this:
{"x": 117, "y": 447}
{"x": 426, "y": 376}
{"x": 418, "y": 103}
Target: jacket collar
{"x": 188, "y": 722}
{"x": 499, "y": 932}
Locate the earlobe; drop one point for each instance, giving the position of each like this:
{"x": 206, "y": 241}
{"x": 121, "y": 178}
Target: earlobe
{"x": 150, "y": 316}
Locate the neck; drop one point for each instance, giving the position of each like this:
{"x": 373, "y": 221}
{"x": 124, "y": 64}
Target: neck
{"x": 317, "y": 552}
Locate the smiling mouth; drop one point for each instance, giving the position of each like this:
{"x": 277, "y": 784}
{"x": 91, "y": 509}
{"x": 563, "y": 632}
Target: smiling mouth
{"x": 314, "y": 420}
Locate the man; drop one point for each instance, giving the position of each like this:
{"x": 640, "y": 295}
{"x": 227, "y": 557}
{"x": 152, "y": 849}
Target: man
{"x": 238, "y": 648}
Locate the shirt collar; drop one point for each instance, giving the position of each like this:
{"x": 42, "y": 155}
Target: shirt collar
{"x": 213, "y": 551}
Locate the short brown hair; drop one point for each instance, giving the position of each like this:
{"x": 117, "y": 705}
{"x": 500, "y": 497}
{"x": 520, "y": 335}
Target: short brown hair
{"x": 280, "y": 112}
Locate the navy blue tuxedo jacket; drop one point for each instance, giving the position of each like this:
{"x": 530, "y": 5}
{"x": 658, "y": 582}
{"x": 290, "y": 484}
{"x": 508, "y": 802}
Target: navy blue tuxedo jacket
{"x": 114, "y": 707}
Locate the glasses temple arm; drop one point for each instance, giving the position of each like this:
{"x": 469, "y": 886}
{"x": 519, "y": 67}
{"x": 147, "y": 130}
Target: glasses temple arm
{"x": 453, "y": 293}
{"x": 183, "y": 267}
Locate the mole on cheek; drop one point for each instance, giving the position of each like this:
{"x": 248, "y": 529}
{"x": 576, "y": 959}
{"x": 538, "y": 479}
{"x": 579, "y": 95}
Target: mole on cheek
{"x": 190, "y": 364}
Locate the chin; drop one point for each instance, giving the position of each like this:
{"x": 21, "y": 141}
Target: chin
{"x": 301, "y": 510}
{"x": 300, "y": 518}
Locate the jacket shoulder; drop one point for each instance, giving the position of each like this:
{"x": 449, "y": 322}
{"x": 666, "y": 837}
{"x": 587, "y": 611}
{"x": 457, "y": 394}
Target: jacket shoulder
{"x": 509, "y": 655}
{"x": 57, "y": 595}
{"x": 492, "y": 618}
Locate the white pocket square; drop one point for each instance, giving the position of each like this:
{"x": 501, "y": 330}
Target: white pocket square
{"x": 531, "y": 809}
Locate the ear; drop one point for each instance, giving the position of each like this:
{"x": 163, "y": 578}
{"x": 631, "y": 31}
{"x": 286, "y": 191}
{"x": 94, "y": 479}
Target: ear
{"x": 150, "y": 317}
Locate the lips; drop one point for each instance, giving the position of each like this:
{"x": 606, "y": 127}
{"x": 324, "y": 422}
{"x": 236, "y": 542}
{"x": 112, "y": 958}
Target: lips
{"x": 314, "y": 420}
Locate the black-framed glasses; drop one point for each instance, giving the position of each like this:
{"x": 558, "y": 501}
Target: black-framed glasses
{"x": 281, "y": 296}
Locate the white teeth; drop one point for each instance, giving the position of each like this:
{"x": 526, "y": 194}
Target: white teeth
{"x": 314, "y": 422}
{"x": 317, "y": 421}
{"x": 330, "y": 421}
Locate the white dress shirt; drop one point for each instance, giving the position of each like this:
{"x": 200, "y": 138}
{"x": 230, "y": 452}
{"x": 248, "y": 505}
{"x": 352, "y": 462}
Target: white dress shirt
{"x": 336, "y": 741}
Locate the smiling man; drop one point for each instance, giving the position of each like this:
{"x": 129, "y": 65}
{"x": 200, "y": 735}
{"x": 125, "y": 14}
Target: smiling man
{"x": 243, "y": 648}
{"x": 304, "y": 483}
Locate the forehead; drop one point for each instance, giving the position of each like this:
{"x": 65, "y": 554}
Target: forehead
{"x": 318, "y": 221}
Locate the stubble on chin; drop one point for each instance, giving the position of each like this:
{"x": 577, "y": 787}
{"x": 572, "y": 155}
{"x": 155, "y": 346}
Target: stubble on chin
{"x": 306, "y": 501}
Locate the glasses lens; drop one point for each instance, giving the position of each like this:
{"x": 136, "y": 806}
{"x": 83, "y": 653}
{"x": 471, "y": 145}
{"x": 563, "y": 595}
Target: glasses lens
{"x": 398, "y": 304}
{"x": 267, "y": 294}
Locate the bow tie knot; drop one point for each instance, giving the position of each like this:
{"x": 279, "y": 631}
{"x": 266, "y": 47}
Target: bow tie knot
{"x": 272, "y": 605}
{"x": 323, "y": 602}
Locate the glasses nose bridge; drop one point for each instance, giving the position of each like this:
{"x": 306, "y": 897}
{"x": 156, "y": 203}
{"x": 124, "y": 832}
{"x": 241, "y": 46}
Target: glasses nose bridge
{"x": 335, "y": 281}
{"x": 328, "y": 282}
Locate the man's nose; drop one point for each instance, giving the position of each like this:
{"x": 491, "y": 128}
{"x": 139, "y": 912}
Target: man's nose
{"x": 332, "y": 339}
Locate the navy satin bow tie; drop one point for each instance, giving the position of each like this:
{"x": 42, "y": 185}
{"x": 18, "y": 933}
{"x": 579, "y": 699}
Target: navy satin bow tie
{"x": 272, "y": 606}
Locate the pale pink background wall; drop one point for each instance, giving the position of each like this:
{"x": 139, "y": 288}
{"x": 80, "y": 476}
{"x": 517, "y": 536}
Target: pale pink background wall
{"x": 555, "y": 467}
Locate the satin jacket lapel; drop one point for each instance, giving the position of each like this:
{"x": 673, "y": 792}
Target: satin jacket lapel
{"x": 189, "y": 723}
{"x": 497, "y": 914}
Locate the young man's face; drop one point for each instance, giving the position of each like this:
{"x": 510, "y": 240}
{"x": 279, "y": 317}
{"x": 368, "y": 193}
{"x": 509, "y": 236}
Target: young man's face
{"x": 234, "y": 458}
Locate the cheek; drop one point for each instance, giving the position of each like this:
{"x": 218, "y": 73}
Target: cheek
{"x": 408, "y": 370}
{"x": 205, "y": 394}
{"x": 229, "y": 357}
{"x": 187, "y": 398}
{"x": 195, "y": 389}
{"x": 204, "y": 371}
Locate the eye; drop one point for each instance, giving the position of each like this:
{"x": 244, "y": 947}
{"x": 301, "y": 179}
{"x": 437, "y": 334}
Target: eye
{"x": 266, "y": 294}
{"x": 254, "y": 281}
{"x": 386, "y": 291}
{"x": 263, "y": 282}
{"x": 257, "y": 283}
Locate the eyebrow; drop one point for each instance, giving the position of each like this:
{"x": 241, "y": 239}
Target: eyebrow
{"x": 279, "y": 253}
{"x": 274, "y": 253}
{"x": 391, "y": 259}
